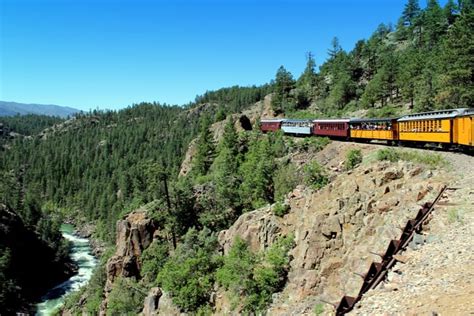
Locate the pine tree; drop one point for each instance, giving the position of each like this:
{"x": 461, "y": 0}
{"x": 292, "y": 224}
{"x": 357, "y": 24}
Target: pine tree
{"x": 411, "y": 13}
{"x": 205, "y": 149}
{"x": 450, "y": 11}
{"x": 457, "y": 88}
{"x": 284, "y": 83}
{"x": 335, "y": 48}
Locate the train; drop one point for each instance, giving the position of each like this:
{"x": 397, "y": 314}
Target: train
{"x": 447, "y": 129}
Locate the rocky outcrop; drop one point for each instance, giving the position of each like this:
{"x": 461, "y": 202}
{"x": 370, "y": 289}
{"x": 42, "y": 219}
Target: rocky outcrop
{"x": 336, "y": 230}
{"x": 134, "y": 234}
{"x": 259, "y": 229}
{"x": 158, "y": 302}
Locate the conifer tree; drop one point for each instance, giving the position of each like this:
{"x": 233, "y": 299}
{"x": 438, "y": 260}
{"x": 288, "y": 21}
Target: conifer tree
{"x": 284, "y": 83}
{"x": 457, "y": 88}
{"x": 205, "y": 149}
{"x": 411, "y": 12}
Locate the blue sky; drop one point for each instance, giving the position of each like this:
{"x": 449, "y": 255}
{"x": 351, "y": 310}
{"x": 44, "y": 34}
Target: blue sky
{"x": 112, "y": 53}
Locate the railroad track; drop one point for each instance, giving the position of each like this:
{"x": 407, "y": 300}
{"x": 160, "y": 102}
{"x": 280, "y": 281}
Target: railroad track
{"x": 378, "y": 270}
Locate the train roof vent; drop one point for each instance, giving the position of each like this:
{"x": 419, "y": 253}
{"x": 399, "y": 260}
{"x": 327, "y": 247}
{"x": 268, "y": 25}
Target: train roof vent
{"x": 440, "y": 114}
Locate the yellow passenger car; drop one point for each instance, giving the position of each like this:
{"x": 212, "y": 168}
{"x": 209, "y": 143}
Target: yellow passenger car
{"x": 464, "y": 128}
{"x": 429, "y": 127}
{"x": 373, "y": 129}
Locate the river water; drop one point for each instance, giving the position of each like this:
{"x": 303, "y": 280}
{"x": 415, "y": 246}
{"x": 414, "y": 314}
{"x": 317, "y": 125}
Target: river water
{"x": 81, "y": 254}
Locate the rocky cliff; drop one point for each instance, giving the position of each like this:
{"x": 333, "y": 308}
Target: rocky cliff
{"x": 336, "y": 229}
{"x": 134, "y": 234}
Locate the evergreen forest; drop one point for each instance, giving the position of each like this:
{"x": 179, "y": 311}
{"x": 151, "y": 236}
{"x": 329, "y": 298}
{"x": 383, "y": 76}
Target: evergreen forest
{"x": 95, "y": 168}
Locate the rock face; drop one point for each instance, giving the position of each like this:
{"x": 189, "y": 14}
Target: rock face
{"x": 158, "y": 302}
{"x": 134, "y": 234}
{"x": 336, "y": 229}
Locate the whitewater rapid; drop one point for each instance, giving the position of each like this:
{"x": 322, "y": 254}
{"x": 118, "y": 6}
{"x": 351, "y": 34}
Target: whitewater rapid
{"x": 81, "y": 254}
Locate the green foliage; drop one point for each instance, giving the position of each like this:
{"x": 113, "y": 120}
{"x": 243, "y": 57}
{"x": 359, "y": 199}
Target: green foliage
{"x": 286, "y": 178}
{"x": 205, "y": 149}
{"x": 153, "y": 259}
{"x": 30, "y": 124}
{"x": 312, "y": 144}
{"x": 353, "y": 158}
{"x": 9, "y": 299}
{"x": 284, "y": 83}
{"x": 455, "y": 216}
{"x": 280, "y": 209}
{"x": 315, "y": 175}
{"x": 457, "y": 80}
{"x": 189, "y": 275}
{"x": 234, "y": 99}
{"x": 126, "y": 297}
{"x": 429, "y": 159}
{"x": 319, "y": 309}
{"x": 251, "y": 278}
{"x": 257, "y": 171}
{"x": 389, "y": 154}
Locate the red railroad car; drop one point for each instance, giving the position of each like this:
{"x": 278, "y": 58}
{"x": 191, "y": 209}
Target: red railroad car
{"x": 270, "y": 125}
{"x": 331, "y": 127}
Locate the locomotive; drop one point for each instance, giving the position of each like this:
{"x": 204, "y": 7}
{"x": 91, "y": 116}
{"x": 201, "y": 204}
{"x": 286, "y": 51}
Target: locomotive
{"x": 453, "y": 128}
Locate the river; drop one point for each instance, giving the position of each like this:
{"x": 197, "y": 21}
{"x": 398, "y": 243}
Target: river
{"x": 81, "y": 254}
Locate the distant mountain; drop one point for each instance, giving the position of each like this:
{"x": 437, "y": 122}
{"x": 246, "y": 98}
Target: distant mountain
{"x": 13, "y": 108}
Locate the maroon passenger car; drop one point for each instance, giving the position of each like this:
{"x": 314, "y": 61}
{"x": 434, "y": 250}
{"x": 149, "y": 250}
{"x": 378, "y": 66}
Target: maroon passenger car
{"x": 331, "y": 127}
{"x": 270, "y": 125}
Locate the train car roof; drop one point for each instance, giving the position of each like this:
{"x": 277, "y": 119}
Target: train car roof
{"x": 440, "y": 114}
{"x": 370, "y": 120}
{"x": 295, "y": 121}
{"x": 468, "y": 112}
{"x": 271, "y": 120}
{"x": 331, "y": 121}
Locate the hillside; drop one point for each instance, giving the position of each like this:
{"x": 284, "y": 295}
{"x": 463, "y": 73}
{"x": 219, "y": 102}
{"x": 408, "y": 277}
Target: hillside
{"x": 13, "y": 108}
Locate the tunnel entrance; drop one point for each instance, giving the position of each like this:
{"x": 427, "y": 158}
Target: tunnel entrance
{"x": 245, "y": 123}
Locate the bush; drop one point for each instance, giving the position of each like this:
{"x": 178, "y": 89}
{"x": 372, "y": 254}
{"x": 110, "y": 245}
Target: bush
{"x": 280, "y": 209}
{"x": 126, "y": 297}
{"x": 353, "y": 158}
{"x": 388, "y": 154}
{"x": 255, "y": 277}
{"x": 286, "y": 178}
{"x": 315, "y": 176}
{"x": 429, "y": 159}
{"x": 188, "y": 276}
{"x": 153, "y": 259}
{"x": 319, "y": 309}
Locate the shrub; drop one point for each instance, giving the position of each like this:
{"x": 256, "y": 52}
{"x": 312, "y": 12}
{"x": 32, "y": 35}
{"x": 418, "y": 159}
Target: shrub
{"x": 429, "y": 159}
{"x": 126, "y": 297}
{"x": 255, "y": 277}
{"x": 280, "y": 209}
{"x": 319, "y": 309}
{"x": 286, "y": 178}
{"x": 389, "y": 154}
{"x": 315, "y": 176}
{"x": 188, "y": 276}
{"x": 454, "y": 215}
{"x": 153, "y": 259}
{"x": 353, "y": 158}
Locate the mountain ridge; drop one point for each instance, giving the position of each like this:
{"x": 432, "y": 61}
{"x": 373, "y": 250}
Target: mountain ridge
{"x": 10, "y": 108}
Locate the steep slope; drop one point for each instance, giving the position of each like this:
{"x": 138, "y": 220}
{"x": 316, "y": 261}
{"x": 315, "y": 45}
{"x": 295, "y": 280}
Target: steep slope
{"x": 29, "y": 265}
{"x": 336, "y": 228}
{"x": 436, "y": 275}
